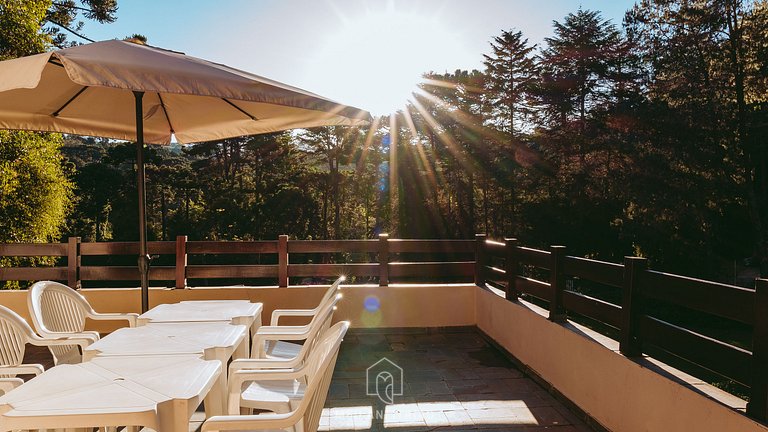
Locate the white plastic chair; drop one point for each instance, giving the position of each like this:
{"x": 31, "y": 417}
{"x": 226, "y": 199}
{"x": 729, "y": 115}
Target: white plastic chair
{"x": 268, "y": 345}
{"x": 320, "y": 323}
{"x": 15, "y": 333}
{"x": 305, "y": 417}
{"x": 270, "y": 342}
{"x": 58, "y": 311}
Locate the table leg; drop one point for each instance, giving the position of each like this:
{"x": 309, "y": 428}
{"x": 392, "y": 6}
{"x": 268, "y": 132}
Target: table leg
{"x": 215, "y": 400}
{"x": 173, "y": 416}
{"x": 241, "y": 351}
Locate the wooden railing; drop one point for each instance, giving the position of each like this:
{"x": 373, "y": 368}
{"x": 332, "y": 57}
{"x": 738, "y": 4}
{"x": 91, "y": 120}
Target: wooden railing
{"x": 629, "y": 305}
{"x": 275, "y": 262}
{"x": 637, "y": 313}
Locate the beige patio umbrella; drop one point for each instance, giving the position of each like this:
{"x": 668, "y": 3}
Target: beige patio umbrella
{"x": 125, "y": 90}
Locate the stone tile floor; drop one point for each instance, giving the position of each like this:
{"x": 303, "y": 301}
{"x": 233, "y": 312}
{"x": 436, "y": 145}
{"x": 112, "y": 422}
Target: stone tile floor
{"x": 453, "y": 380}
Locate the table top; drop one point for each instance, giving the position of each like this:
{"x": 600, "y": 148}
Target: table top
{"x": 110, "y": 391}
{"x": 203, "y": 310}
{"x": 168, "y": 338}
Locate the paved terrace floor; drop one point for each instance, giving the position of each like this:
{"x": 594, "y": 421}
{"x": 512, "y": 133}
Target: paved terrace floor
{"x": 453, "y": 380}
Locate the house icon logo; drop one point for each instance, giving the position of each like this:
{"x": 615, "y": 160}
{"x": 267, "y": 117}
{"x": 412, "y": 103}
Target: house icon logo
{"x": 385, "y": 380}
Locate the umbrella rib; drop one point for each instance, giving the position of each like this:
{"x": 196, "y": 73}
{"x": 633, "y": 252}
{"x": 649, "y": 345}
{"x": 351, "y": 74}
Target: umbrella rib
{"x": 58, "y": 111}
{"x": 167, "y": 118}
{"x": 239, "y": 109}
{"x": 54, "y": 62}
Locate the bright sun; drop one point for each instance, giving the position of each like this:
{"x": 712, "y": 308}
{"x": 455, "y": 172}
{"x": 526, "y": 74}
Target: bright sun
{"x": 375, "y": 60}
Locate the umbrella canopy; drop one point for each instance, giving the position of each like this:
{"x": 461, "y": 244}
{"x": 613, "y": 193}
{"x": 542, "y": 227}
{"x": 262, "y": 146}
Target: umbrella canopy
{"x": 124, "y": 90}
{"x": 88, "y": 90}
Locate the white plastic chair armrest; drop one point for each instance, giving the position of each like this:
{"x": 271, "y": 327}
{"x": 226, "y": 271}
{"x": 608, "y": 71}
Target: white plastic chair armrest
{"x": 8, "y": 384}
{"x": 257, "y": 363}
{"x": 277, "y": 313}
{"x": 130, "y": 317}
{"x": 83, "y": 339}
{"x": 23, "y": 369}
{"x": 251, "y": 422}
{"x": 283, "y": 330}
{"x": 266, "y": 375}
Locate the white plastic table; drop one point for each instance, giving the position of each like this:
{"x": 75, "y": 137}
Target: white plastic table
{"x": 240, "y": 312}
{"x": 160, "y": 392}
{"x": 211, "y": 340}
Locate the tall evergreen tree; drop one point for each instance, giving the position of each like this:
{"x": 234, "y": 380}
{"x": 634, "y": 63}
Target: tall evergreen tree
{"x": 510, "y": 72}
{"x": 577, "y": 63}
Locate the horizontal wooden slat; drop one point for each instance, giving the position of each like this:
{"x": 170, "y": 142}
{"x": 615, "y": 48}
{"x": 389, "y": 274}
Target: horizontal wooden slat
{"x": 447, "y": 269}
{"x": 495, "y": 249}
{"x": 231, "y": 247}
{"x": 231, "y": 271}
{"x": 333, "y": 269}
{"x": 495, "y": 272}
{"x": 593, "y": 308}
{"x": 534, "y": 257}
{"x": 605, "y": 273}
{"x": 725, "y": 359}
{"x": 534, "y": 287}
{"x": 723, "y": 300}
{"x": 32, "y": 273}
{"x": 126, "y": 248}
{"x": 125, "y": 273}
{"x": 33, "y": 249}
{"x": 434, "y": 246}
{"x": 495, "y": 276}
{"x": 310, "y": 246}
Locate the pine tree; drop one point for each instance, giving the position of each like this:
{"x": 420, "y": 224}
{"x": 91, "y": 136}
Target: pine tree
{"x": 578, "y": 64}
{"x": 510, "y": 71}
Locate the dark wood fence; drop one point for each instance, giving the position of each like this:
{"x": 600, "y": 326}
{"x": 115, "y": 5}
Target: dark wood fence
{"x": 216, "y": 262}
{"x": 630, "y": 301}
{"x": 640, "y": 295}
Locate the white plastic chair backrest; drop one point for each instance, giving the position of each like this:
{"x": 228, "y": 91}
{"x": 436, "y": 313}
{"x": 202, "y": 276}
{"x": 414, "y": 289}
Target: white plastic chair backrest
{"x": 57, "y": 308}
{"x": 14, "y": 335}
{"x": 323, "y": 361}
{"x": 332, "y": 290}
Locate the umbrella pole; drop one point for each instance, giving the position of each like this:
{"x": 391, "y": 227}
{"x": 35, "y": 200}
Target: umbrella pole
{"x": 144, "y": 257}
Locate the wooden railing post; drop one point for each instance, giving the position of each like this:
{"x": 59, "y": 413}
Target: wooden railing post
{"x": 282, "y": 261}
{"x": 383, "y": 260}
{"x": 629, "y": 343}
{"x": 557, "y": 283}
{"x": 758, "y": 398}
{"x": 511, "y": 266}
{"x": 480, "y": 260}
{"x": 73, "y": 262}
{"x": 181, "y": 262}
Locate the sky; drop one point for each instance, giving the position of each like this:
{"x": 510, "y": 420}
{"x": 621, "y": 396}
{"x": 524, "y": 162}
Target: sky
{"x": 365, "y": 53}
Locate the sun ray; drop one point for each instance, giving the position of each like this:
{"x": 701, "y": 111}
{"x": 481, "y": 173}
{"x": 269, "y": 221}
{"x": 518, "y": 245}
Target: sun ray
{"x": 367, "y": 144}
{"x": 393, "y": 190}
{"x": 451, "y": 144}
{"x": 431, "y": 177}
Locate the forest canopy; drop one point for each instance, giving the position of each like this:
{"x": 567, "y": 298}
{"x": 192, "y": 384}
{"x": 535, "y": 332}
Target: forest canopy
{"x": 646, "y": 137}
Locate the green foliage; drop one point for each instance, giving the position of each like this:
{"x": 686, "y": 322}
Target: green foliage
{"x": 20, "y": 33}
{"x": 64, "y": 15}
{"x": 649, "y": 141}
{"x": 511, "y": 72}
{"x": 35, "y": 194}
